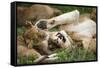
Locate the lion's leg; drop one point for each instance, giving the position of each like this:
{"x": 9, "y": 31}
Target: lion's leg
{"x": 44, "y": 47}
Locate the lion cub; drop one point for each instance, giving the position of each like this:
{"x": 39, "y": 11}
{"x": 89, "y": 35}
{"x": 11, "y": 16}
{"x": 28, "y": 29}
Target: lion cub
{"x": 36, "y": 38}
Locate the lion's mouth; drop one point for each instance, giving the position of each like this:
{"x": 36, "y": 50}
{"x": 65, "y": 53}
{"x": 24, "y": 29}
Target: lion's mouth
{"x": 61, "y": 37}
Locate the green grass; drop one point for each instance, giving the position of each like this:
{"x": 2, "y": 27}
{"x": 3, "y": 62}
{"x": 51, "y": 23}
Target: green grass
{"x": 77, "y": 54}
{"x": 82, "y": 10}
{"x": 64, "y": 55}
{"x": 20, "y": 30}
{"x": 25, "y": 60}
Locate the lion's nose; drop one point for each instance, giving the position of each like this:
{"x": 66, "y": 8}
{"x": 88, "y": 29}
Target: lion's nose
{"x": 42, "y": 25}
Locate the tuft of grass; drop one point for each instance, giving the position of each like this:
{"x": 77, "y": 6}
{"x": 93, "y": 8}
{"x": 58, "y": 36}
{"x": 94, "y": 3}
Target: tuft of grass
{"x": 66, "y": 8}
{"x": 20, "y": 30}
{"x": 64, "y": 55}
{"x": 26, "y": 60}
{"x": 76, "y": 54}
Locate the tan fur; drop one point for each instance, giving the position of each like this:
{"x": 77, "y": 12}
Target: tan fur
{"x": 23, "y": 51}
{"x": 54, "y": 38}
{"x": 20, "y": 41}
{"x": 35, "y": 12}
{"x": 93, "y": 14}
{"x": 84, "y": 31}
{"x": 89, "y": 44}
{"x": 35, "y": 37}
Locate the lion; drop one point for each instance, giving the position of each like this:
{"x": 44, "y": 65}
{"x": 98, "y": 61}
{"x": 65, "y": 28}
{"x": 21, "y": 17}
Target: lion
{"x": 79, "y": 28}
{"x": 36, "y": 38}
{"x": 35, "y": 12}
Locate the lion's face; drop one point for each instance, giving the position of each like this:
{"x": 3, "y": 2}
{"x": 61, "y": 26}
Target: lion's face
{"x": 58, "y": 38}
